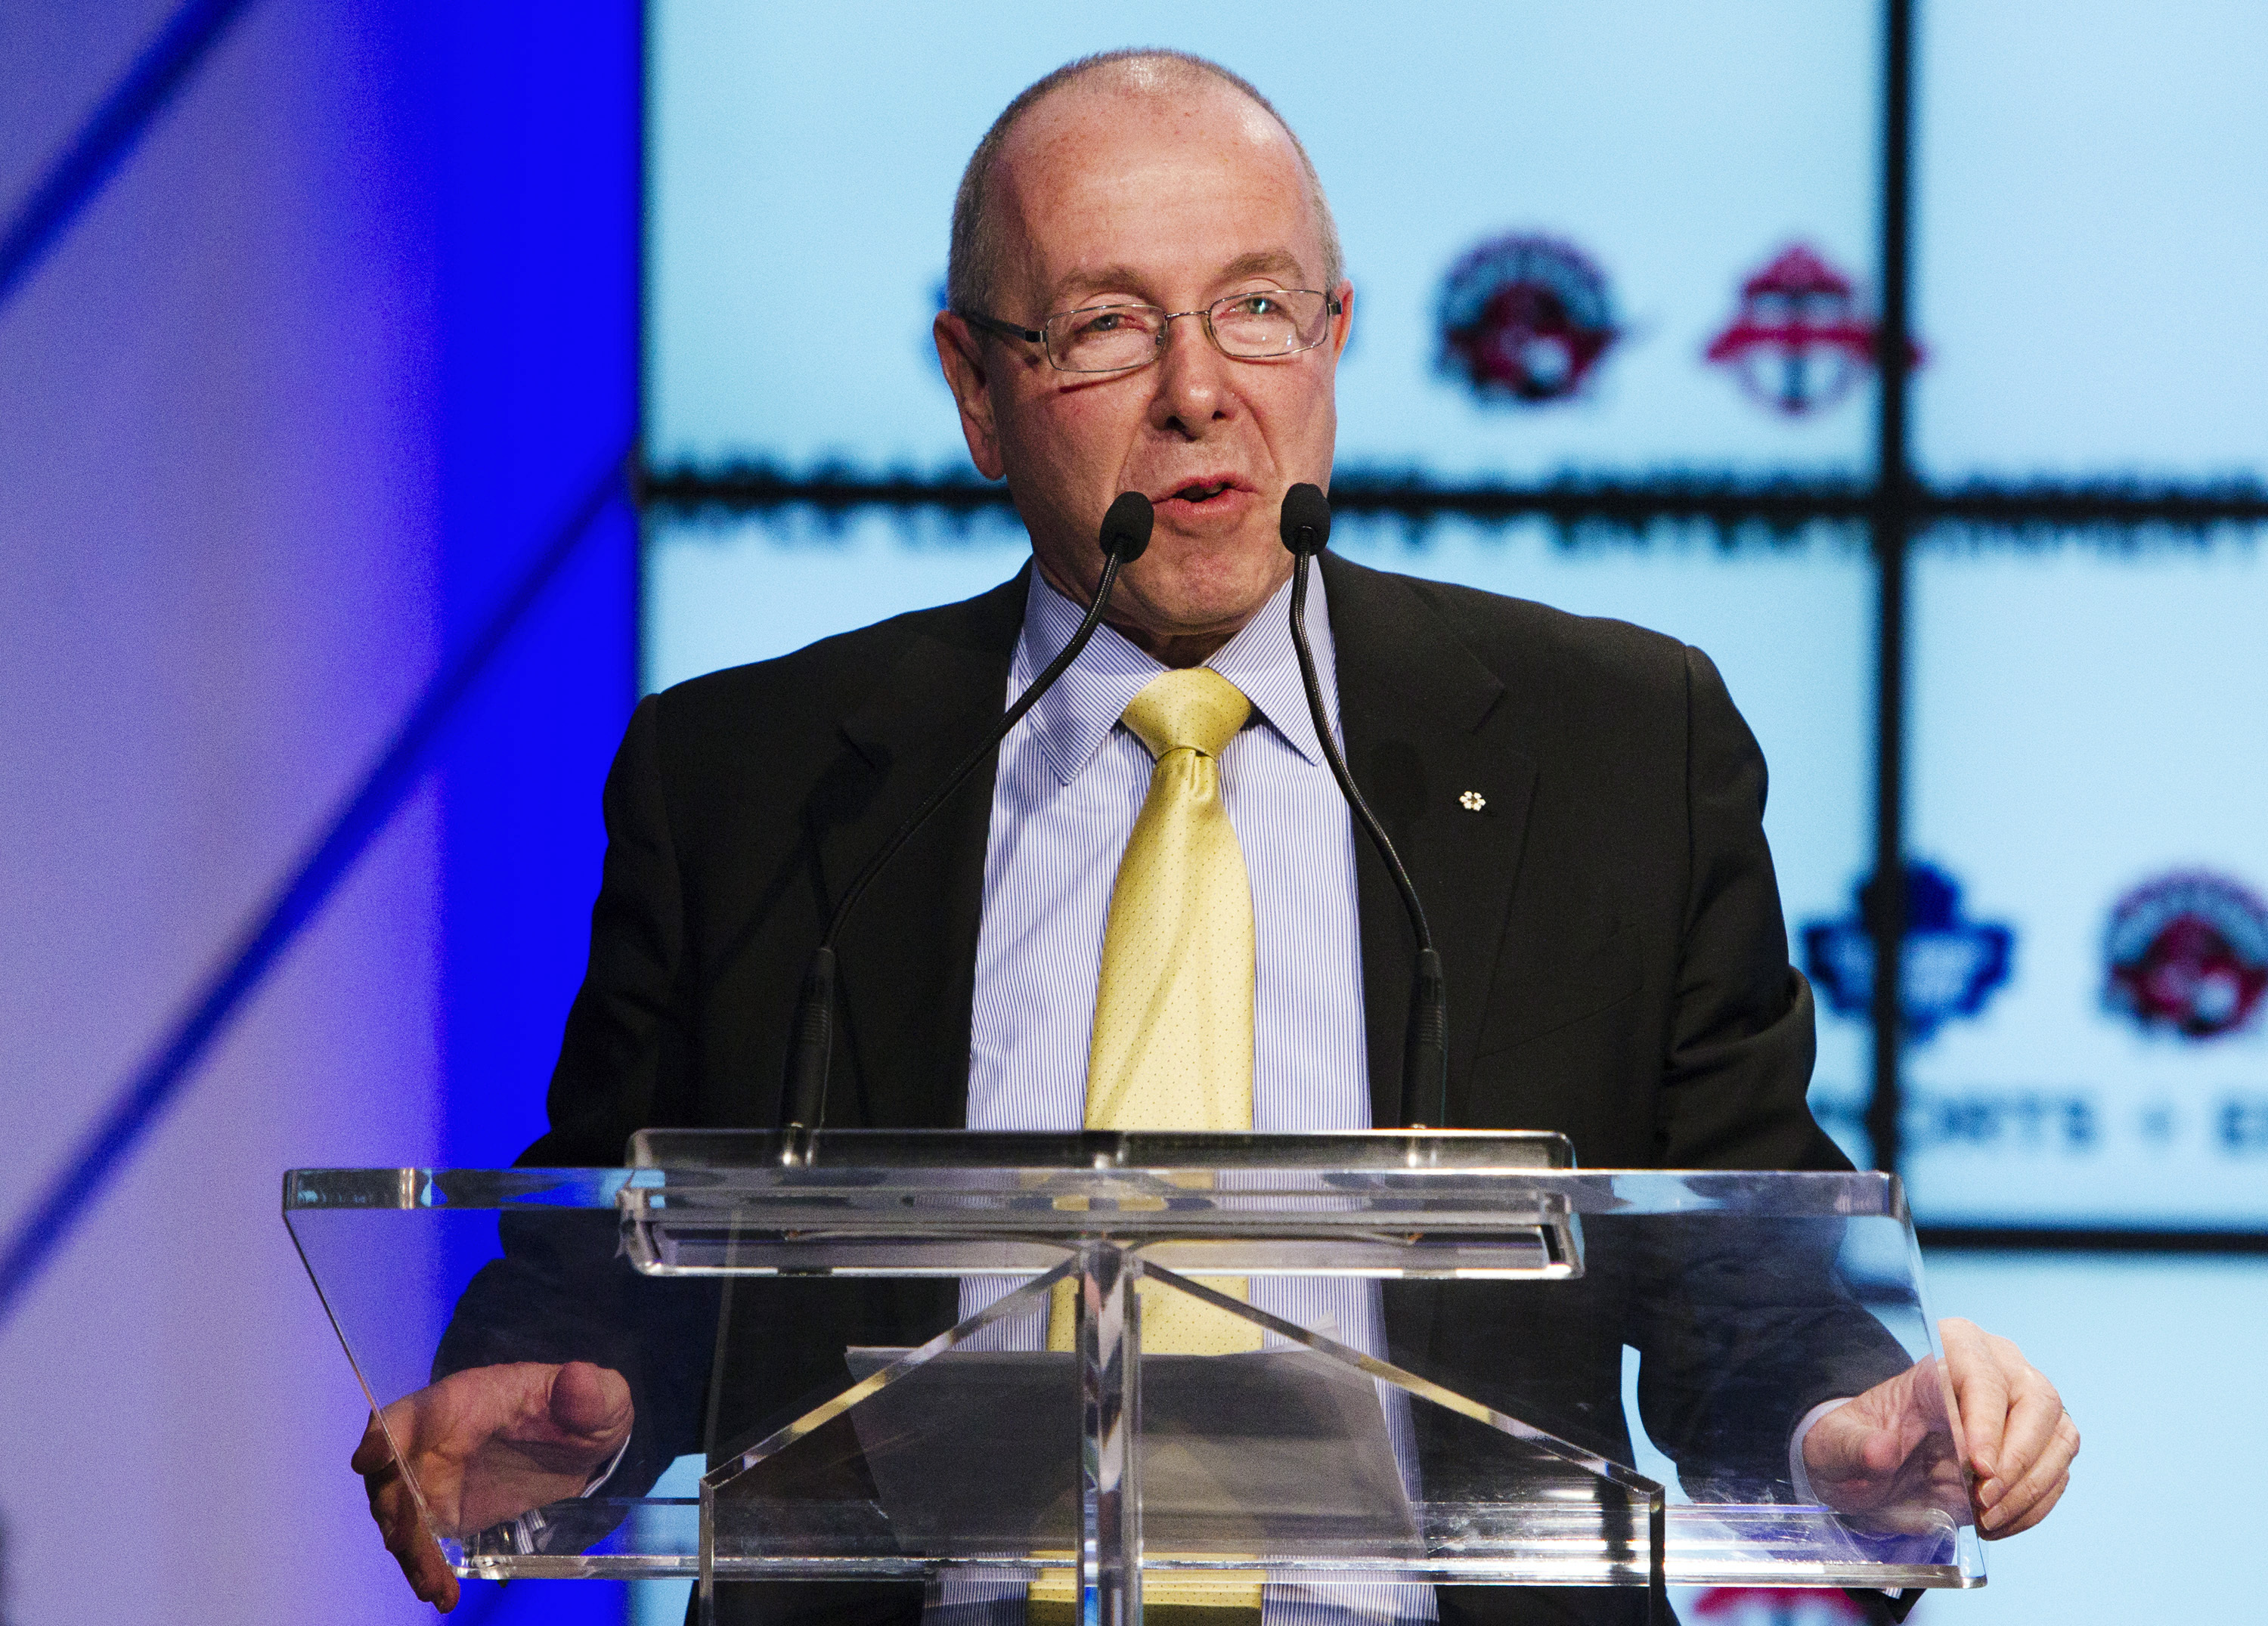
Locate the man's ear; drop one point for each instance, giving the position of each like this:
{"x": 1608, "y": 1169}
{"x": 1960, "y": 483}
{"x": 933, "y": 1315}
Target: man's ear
{"x": 1343, "y": 324}
{"x": 959, "y": 352}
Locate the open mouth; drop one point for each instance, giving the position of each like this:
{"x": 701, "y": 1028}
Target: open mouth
{"x": 1199, "y": 493}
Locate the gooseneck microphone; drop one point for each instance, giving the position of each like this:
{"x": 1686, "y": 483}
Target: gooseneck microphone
{"x": 1306, "y": 529}
{"x": 803, "y": 1097}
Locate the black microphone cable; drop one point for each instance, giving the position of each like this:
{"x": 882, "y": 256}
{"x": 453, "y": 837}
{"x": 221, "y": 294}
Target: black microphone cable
{"x": 1125, "y": 534}
{"x": 1307, "y": 529}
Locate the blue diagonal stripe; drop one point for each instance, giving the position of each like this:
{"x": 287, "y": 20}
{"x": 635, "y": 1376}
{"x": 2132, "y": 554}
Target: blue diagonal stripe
{"x": 77, "y": 175}
{"x": 74, "y": 1189}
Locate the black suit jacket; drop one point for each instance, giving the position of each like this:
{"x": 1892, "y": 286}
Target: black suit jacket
{"x": 1607, "y": 920}
{"x": 1616, "y": 961}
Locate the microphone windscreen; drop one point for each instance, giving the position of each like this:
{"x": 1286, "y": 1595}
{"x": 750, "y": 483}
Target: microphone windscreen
{"x": 1126, "y": 527}
{"x": 1307, "y": 523}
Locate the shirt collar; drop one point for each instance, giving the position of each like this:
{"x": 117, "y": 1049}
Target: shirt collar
{"x": 1072, "y": 720}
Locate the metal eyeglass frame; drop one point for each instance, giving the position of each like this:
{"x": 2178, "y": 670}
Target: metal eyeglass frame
{"x": 1038, "y": 335}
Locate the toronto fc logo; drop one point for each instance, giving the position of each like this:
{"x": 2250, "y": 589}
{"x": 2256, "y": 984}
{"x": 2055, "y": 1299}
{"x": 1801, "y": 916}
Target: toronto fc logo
{"x": 2187, "y": 954}
{"x": 1798, "y": 341}
{"x": 1524, "y": 320}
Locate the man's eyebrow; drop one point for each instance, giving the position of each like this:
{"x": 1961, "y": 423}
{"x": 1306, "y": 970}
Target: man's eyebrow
{"x": 1078, "y": 284}
{"x": 1263, "y": 262}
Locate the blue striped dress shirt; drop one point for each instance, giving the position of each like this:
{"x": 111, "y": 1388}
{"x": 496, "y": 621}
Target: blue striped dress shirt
{"x": 1072, "y": 779}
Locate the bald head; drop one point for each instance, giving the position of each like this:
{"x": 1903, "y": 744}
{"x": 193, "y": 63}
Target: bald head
{"x": 1150, "y": 181}
{"x": 1154, "y": 84}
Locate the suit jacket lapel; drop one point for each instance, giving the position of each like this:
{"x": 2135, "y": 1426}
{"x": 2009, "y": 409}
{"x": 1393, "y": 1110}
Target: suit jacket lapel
{"x": 1427, "y": 732}
{"x": 907, "y": 959}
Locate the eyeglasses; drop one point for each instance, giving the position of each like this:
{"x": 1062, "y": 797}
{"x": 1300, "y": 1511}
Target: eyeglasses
{"x": 1258, "y": 326}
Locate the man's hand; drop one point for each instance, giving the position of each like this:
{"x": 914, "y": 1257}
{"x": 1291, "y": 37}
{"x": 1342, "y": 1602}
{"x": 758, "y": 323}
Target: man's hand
{"x": 486, "y": 1444}
{"x": 1890, "y": 1454}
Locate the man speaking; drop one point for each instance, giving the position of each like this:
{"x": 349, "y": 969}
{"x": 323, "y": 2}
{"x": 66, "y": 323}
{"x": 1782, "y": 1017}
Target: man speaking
{"x": 1146, "y": 295}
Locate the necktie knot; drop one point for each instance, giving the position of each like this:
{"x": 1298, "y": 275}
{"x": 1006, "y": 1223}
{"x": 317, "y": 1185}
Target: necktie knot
{"x": 1194, "y": 709}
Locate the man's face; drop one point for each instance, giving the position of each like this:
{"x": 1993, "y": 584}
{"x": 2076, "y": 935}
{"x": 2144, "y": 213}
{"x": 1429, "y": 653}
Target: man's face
{"x": 1100, "y": 197}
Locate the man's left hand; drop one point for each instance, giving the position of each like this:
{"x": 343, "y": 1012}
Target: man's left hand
{"x": 1890, "y": 1446}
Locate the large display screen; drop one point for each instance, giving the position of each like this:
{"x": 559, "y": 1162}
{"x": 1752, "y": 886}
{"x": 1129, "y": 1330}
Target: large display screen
{"x": 2085, "y": 760}
{"x": 1635, "y": 243}
{"x": 2091, "y": 223}
{"x": 2088, "y": 982}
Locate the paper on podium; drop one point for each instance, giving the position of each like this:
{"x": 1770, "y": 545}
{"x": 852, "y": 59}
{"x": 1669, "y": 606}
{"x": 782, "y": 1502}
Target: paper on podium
{"x": 1268, "y": 1450}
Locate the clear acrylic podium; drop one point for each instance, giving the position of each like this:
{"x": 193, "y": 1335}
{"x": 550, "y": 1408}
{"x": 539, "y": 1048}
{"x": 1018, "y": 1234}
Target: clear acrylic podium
{"x": 951, "y": 1448}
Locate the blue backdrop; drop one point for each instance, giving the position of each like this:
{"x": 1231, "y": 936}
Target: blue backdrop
{"x": 325, "y": 351}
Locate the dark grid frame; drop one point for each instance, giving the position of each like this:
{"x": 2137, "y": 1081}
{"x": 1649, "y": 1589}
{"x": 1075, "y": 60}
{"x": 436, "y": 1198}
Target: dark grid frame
{"x": 1895, "y": 512}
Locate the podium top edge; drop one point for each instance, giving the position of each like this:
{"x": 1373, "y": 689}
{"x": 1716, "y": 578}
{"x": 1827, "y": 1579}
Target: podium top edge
{"x": 1536, "y": 1149}
{"x": 713, "y": 1164}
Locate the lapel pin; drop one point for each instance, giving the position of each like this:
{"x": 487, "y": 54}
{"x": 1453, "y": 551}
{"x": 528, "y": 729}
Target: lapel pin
{"x": 1472, "y": 801}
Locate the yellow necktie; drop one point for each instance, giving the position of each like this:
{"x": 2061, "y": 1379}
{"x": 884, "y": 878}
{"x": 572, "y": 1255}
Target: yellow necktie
{"x": 1173, "y": 1032}
{"x": 1173, "y": 1012}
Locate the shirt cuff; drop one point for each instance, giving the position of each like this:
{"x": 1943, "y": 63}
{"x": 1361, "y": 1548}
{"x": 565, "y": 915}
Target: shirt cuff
{"x": 623, "y": 1450}
{"x": 1803, "y": 1491}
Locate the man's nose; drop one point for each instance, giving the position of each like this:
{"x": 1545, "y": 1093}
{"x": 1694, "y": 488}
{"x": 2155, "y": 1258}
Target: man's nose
{"x": 1193, "y": 388}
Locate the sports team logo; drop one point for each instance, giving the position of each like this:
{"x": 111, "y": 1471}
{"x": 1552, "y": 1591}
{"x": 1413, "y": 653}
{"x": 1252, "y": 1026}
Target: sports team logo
{"x": 1953, "y": 965}
{"x": 1772, "y": 1605}
{"x": 1525, "y": 319}
{"x": 2187, "y": 953}
{"x": 1798, "y": 341}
